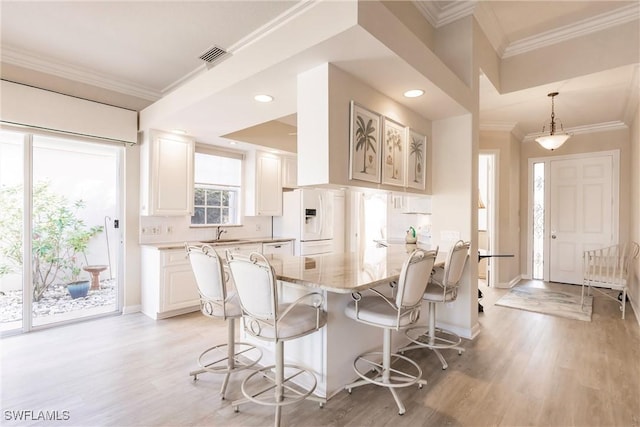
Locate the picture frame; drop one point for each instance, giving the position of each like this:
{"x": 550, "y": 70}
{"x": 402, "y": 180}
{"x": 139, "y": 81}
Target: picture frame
{"x": 416, "y": 155}
{"x": 393, "y": 153}
{"x": 364, "y": 144}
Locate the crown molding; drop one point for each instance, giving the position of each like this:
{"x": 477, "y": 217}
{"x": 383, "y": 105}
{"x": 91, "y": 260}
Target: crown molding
{"x": 439, "y": 15}
{"x": 580, "y": 28}
{"x": 511, "y": 127}
{"x": 271, "y": 26}
{"x": 577, "y": 130}
{"x": 50, "y": 66}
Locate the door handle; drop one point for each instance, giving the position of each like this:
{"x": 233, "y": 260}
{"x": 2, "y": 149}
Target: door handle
{"x": 553, "y": 236}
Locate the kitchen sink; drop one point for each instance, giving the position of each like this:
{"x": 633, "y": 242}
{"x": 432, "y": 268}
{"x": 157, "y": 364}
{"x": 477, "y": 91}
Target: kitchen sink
{"x": 222, "y": 241}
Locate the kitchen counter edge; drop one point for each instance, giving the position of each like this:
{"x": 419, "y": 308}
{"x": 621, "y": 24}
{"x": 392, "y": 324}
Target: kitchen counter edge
{"x": 176, "y": 245}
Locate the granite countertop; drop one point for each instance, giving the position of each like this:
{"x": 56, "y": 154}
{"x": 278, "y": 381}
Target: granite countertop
{"x": 221, "y": 242}
{"x": 344, "y": 272}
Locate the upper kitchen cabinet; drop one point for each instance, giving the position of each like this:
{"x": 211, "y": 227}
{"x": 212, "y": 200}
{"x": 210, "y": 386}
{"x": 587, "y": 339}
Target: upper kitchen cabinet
{"x": 263, "y": 178}
{"x": 166, "y": 167}
{"x": 289, "y": 171}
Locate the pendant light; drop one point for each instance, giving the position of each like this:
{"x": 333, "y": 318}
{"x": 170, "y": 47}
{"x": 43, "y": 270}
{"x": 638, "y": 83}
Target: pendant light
{"x": 553, "y": 140}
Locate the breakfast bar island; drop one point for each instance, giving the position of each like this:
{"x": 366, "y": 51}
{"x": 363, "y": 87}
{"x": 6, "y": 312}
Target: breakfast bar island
{"x": 331, "y": 351}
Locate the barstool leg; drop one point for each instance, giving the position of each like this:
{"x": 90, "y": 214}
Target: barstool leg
{"x": 432, "y": 334}
{"x": 279, "y": 379}
{"x": 386, "y": 368}
{"x": 231, "y": 353}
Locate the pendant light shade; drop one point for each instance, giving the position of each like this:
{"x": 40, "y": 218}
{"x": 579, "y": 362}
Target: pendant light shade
{"x": 553, "y": 140}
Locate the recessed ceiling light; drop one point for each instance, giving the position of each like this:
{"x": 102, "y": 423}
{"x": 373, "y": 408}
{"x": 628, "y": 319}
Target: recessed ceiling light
{"x": 414, "y": 93}
{"x": 263, "y": 98}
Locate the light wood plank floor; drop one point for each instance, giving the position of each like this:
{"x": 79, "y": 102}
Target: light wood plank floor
{"x": 523, "y": 369}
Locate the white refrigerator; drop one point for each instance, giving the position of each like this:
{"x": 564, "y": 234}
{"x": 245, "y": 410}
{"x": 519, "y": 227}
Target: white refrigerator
{"x": 307, "y": 216}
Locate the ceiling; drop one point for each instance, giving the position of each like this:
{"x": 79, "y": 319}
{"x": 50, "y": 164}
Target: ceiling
{"x": 132, "y": 54}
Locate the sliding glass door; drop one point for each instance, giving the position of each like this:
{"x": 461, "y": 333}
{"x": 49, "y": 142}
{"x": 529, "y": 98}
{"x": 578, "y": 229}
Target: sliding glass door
{"x": 70, "y": 212}
{"x": 12, "y": 197}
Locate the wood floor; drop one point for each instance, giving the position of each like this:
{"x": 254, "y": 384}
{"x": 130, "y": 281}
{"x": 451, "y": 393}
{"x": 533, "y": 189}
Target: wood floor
{"x": 523, "y": 369}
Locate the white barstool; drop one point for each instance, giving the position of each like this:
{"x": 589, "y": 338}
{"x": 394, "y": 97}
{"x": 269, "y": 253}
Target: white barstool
{"x": 217, "y": 303}
{"x": 267, "y": 319}
{"x": 392, "y": 314}
{"x": 442, "y": 288}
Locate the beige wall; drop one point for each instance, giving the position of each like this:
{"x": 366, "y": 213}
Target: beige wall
{"x": 413, "y": 19}
{"x": 333, "y": 141}
{"x": 486, "y": 58}
{"x": 454, "y": 208}
{"x": 579, "y": 144}
{"x": 454, "y": 46}
{"x": 131, "y": 256}
{"x": 507, "y": 235}
{"x": 634, "y": 291}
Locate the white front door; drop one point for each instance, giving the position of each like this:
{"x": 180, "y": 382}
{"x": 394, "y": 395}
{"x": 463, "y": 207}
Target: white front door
{"x": 581, "y": 207}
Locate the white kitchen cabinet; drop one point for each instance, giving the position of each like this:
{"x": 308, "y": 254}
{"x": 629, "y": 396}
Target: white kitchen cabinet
{"x": 417, "y": 204}
{"x": 280, "y": 248}
{"x": 166, "y": 174}
{"x": 263, "y": 184}
{"x": 168, "y": 285}
{"x": 289, "y": 171}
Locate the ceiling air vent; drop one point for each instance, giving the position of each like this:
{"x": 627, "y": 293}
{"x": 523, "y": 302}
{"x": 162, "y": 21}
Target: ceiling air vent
{"x": 213, "y": 55}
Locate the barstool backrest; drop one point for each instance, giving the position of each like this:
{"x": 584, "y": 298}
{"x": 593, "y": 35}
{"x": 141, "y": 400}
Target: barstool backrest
{"x": 454, "y": 266}
{"x": 256, "y": 283}
{"x": 414, "y": 277}
{"x": 210, "y": 277}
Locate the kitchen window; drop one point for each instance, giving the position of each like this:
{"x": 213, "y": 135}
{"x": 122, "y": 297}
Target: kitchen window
{"x": 218, "y": 187}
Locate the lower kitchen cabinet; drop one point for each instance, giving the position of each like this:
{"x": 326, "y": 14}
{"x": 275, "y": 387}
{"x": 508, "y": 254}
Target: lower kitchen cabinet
{"x": 168, "y": 285}
{"x": 281, "y": 248}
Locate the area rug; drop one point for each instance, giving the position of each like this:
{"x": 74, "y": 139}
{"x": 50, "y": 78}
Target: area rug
{"x": 556, "y": 303}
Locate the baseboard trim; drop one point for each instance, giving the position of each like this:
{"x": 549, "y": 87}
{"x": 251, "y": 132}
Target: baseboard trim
{"x": 129, "y": 309}
{"x": 511, "y": 283}
{"x": 467, "y": 333}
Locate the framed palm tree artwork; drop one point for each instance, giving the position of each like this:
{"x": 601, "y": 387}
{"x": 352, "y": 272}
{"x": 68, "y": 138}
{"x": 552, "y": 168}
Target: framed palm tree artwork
{"x": 393, "y": 158}
{"x": 416, "y": 160}
{"x": 364, "y": 150}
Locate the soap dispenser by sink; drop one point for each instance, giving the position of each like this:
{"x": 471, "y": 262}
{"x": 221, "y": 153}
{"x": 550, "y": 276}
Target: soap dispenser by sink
{"x": 411, "y": 236}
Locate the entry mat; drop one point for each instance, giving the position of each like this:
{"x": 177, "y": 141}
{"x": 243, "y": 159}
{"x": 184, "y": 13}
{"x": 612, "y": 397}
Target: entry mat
{"x": 556, "y": 303}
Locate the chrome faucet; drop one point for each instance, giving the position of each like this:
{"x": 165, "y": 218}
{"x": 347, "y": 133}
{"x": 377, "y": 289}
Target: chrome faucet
{"x": 220, "y": 232}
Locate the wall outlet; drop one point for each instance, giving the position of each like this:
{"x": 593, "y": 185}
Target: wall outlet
{"x": 169, "y": 229}
{"x": 258, "y": 227}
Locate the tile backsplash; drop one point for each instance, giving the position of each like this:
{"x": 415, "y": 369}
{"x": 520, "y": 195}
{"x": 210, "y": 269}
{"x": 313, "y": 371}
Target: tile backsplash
{"x": 166, "y": 229}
